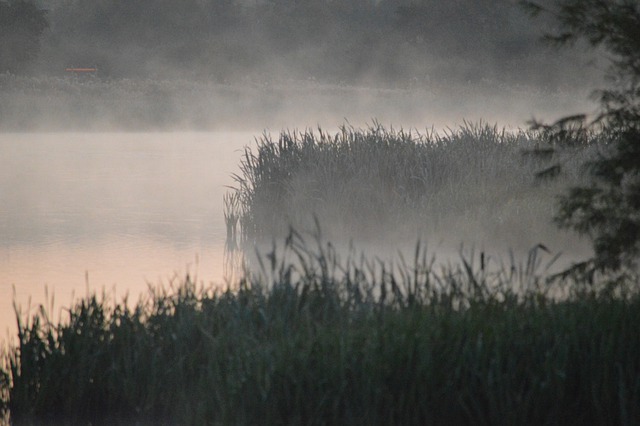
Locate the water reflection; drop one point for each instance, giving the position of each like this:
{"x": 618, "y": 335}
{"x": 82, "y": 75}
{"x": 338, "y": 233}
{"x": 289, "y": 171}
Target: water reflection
{"x": 121, "y": 209}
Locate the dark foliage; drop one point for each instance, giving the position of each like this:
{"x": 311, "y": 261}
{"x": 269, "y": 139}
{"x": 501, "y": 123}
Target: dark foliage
{"x": 331, "y": 41}
{"x": 342, "y": 344}
{"x": 22, "y": 24}
{"x": 608, "y": 210}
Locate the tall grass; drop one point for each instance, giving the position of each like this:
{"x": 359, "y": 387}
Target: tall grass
{"x": 310, "y": 335}
{"x": 472, "y": 182}
{"x": 325, "y": 340}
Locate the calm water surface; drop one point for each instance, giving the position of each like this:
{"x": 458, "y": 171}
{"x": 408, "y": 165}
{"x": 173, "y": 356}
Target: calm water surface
{"x": 115, "y": 211}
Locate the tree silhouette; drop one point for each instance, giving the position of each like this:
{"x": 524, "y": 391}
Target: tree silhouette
{"x": 608, "y": 209}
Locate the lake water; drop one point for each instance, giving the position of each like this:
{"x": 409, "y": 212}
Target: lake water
{"x": 113, "y": 211}
{"x": 85, "y": 212}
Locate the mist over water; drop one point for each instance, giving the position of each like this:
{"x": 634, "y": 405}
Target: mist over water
{"x": 116, "y": 177}
{"x": 170, "y": 105}
{"x": 262, "y": 64}
{"x": 119, "y": 210}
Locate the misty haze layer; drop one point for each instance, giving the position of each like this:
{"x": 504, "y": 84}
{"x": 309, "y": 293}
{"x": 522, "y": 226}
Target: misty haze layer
{"x": 339, "y": 41}
{"x": 284, "y": 64}
{"x": 69, "y": 104}
{"x": 205, "y": 64}
{"x": 385, "y": 190}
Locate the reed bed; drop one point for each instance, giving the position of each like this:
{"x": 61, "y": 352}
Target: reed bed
{"x": 313, "y": 335}
{"x": 325, "y": 340}
{"x": 382, "y": 184}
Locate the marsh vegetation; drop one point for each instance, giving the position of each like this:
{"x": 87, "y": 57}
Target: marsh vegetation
{"x": 306, "y": 331}
{"x": 340, "y": 341}
{"x": 311, "y": 334}
{"x": 475, "y": 184}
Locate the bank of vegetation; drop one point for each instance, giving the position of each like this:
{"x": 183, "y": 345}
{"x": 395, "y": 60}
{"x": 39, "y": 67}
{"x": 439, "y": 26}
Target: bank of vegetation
{"x": 314, "y": 335}
{"x": 330, "y": 340}
{"x": 202, "y": 64}
{"x": 477, "y": 183}
{"x": 311, "y": 335}
{"x": 339, "y": 41}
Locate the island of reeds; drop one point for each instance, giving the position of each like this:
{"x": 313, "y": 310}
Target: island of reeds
{"x": 473, "y": 184}
{"x": 313, "y": 334}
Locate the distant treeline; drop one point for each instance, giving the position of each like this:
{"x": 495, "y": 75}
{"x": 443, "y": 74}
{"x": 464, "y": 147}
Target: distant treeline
{"x": 326, "y": 40}
{"x": 21, "y": 26}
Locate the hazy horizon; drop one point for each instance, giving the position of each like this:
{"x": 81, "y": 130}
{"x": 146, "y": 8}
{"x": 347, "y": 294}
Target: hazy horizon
{"x": 169, "y": 73}
{"x": 277, "y": 64}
